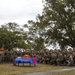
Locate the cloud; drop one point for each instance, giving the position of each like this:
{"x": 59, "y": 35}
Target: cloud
{"x": 19, "y": 10}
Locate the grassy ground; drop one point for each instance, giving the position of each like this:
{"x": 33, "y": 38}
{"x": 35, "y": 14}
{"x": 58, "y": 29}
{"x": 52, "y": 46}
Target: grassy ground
{"x": 64, "y": 73}
{"x": 9, "y": 69}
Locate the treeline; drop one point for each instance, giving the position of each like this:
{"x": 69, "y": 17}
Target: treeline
{"x": 55, "y": 25}
{"x": 13, "y": 36}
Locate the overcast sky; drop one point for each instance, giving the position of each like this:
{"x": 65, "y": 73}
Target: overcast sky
{"x": 19, "y": 11}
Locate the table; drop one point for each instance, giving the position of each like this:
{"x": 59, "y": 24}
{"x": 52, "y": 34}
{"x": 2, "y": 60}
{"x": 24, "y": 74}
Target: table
{"x": 19, "y": 60}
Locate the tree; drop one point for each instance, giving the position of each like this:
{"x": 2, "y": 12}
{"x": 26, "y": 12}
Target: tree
{"x": 57, "y": 22}
{"x": 12, "y": 36}
{"x": 34, "y": 41}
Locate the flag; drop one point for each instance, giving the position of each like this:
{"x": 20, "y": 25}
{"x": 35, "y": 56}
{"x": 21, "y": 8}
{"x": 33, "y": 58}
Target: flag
{"x": 2, "y": 49}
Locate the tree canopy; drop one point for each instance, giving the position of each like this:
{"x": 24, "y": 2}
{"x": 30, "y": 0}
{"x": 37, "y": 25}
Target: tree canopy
{"x": 12, "y": 36}
{"x": 57, "y": 23}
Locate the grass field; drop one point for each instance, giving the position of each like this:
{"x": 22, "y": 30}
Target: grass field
{"x": 9, "y": 69}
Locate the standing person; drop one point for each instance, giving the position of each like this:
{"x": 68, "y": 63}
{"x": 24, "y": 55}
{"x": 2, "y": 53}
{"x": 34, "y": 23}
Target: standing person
{"x": 65, "y": 60}
{"x": 60, "y": 59}
{"x": 53, "y": 58}
{"x": 70, "y": 60}
{"x": 74, "y": 57}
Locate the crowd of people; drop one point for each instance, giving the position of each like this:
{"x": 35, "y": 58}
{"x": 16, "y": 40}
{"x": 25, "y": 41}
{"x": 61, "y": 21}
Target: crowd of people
{"x": 53, "y": 57}
{"x": 57, "y": 57}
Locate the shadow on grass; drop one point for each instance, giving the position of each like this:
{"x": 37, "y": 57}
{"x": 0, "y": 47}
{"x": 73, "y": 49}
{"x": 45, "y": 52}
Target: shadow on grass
{"x": 24, "y": 65}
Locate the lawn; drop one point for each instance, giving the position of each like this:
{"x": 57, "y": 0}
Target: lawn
{"x": 9, "y": 69}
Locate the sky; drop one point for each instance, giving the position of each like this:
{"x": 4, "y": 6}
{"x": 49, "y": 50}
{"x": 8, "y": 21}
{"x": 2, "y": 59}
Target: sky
{"x": 19, "y": 11}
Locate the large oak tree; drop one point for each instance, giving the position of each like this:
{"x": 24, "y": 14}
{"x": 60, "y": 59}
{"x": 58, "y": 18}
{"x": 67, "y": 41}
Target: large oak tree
{"x": 57, "y": 22}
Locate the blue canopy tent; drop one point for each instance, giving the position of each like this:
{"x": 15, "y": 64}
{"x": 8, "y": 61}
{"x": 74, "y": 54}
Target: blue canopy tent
{"x": 25, "y": 60}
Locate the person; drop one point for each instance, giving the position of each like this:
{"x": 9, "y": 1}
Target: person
{"x": 60, "y": 59}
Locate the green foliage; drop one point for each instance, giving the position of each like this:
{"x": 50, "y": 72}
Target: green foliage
{"x": 12, "y": 36}
{"x": 57, "y": 22}
{"x": 61, "y": 16}
{"x": 34, "y": 41}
